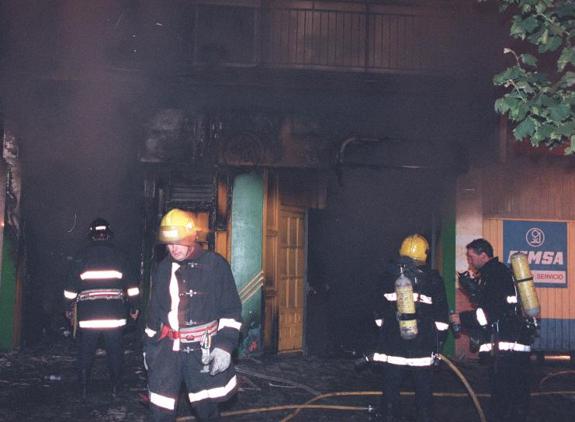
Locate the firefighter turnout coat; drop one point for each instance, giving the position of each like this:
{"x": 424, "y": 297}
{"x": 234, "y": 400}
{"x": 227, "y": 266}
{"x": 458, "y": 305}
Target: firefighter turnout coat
{"x": 432, "y": 316}
{"x": 100, "y": 288}
{"x": 498, "y": 318}
{"x": 504, "y": 336}
{"x": 192, "y": 301}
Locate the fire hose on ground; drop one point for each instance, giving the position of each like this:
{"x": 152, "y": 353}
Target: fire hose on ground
{"x": 297, "y": 408}
{"x": 441, "y": 357}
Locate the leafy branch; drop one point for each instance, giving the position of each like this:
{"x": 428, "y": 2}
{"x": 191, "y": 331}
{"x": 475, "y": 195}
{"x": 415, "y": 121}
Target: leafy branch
{"x": 541, "y": 100}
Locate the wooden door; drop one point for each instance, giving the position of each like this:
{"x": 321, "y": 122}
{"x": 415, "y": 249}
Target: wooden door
{"x": 291, "y": 278}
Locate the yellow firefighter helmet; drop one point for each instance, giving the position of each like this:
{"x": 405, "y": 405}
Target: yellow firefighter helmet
{"x": 414, "y": 246}
{"x": 177, "y": 227}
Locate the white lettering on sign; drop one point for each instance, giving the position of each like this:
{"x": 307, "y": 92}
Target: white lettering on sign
{"x": 542, "y": 257}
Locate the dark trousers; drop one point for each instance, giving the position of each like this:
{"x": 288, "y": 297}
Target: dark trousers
{"x": 167, "y": 370}
{"x": 391, "y": 400}
{"x": 510, "y": 392}
{"x": 114, "y": 351}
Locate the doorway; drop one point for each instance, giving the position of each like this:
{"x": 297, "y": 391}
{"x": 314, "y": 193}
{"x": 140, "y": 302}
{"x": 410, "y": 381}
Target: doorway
{"x": 291, "y": 278}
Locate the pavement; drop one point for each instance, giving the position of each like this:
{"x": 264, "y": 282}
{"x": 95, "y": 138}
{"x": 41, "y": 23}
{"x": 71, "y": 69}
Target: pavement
{"x": 39, "y": 384}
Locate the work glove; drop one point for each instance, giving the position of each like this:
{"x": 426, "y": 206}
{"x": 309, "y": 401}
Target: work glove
{"x": 152, "y": 336}
{"x": 470, "y": 286}
{"x": 220, "y": 360}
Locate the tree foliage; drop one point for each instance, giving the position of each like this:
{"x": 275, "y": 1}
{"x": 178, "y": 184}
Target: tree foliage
{"x": 540, "y": 99}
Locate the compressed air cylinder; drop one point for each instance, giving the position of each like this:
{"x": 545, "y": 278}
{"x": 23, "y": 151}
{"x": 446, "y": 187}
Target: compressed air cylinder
{"x": 405, "y": 305}
{"x": 525, "y": 285}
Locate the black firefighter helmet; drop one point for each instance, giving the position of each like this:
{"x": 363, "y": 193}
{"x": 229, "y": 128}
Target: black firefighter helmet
{"x": 100, "y": 230}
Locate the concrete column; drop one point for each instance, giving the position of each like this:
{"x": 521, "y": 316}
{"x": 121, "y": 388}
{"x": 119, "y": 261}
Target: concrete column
{"x": 246, "y": 255}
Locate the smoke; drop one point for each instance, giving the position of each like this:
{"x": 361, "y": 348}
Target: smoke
{"x": 75, "y": 108}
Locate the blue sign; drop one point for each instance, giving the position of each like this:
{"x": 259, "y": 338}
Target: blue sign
{"x": 545, "y": 244}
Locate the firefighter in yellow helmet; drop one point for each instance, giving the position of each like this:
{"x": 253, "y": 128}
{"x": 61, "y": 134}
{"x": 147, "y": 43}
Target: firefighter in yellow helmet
{"x": 178, "y": 228}
{"x": 193, "y": 324}
{"x": 415, "y": 247}
{"x": 413, "y": 319}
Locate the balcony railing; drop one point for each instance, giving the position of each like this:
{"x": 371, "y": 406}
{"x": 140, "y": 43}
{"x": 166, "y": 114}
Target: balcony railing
{"x": 375, "y": 41}
{"x": 338, "y": 35}
{"x": 367, "y": 36}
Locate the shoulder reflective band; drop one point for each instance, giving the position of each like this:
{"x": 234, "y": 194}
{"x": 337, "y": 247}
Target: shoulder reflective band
{"x": 162, "y": 401}
{"x": 511, "y": 299}
{"x": 481, "y": 318}
{"x": 229, "y": 322}
{"x": 392, "y": 297}
{"x": 214, "y": 393}
{"x": 441, "y": 326}
{"x": 102, "y": 323}
{"x": 101, "y": 275}
{"x": 70, "y": 295}
{"x": 400, "y": 360}
{"x": 133, "y": 291}
{"x": 505, "y": 346}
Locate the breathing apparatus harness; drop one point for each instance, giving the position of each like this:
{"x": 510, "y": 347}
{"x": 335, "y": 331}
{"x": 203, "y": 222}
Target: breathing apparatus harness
{"x": 525, "y": 303}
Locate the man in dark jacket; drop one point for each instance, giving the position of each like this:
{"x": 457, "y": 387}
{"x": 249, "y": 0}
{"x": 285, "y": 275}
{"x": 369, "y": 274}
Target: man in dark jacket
{"x": 503, "y": 337}
{"x": 417, "y": 353}
{"x": 99, "y": 295}
{"x": 193, "y": 325}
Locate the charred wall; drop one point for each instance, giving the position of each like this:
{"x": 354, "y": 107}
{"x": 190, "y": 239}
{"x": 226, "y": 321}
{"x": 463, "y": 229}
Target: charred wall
{"x": 82, "y": 83}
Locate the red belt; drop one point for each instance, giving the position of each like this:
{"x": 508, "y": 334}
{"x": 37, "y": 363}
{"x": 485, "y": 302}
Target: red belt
{"x": 190, "y": 334}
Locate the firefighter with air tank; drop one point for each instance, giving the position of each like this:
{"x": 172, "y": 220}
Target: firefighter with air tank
{"x": 502, "y": 326}
{"x": 413, "y": 320}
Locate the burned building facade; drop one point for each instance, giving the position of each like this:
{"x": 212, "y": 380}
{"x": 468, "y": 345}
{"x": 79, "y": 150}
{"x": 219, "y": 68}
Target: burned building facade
{"x": 308, "y": 137}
